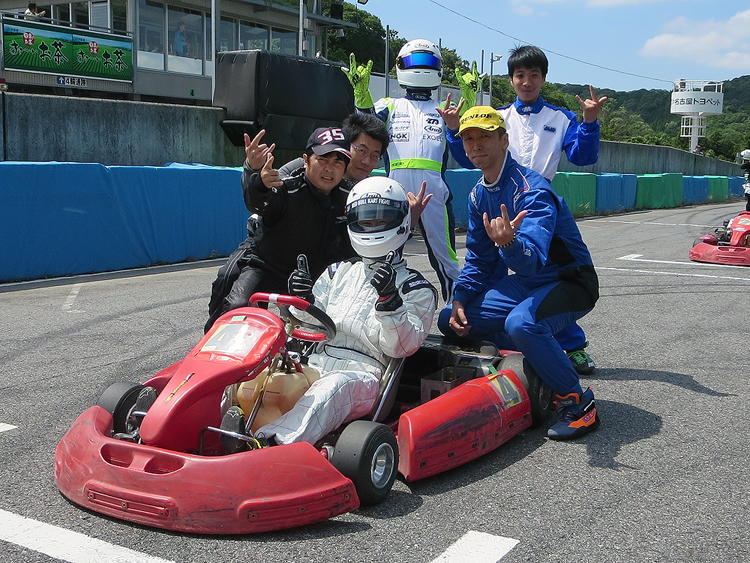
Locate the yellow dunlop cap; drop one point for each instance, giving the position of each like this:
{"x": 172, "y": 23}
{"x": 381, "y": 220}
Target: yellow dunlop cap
{"x": 482, "y": 117}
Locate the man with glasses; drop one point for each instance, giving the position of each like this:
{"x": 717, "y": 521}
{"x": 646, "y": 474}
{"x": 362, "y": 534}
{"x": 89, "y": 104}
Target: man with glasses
{"x": 369, "y": 140}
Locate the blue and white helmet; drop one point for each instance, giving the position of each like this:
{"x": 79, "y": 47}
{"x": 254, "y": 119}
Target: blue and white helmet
{"x": 378, "y": 216}
{"x": 419, "y": 64}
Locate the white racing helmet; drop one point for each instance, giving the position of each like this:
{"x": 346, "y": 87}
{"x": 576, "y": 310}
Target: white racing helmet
{"x": 377, "y": 216}
{"x": 419, "y": 64}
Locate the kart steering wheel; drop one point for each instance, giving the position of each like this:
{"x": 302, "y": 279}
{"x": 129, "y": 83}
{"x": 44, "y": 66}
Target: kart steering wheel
{"x": 283, "y": 301}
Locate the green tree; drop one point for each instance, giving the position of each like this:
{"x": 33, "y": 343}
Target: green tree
{"x": 367, "y": 41}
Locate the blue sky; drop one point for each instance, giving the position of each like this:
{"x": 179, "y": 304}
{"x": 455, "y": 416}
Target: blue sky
{"x": 642, "y": 40}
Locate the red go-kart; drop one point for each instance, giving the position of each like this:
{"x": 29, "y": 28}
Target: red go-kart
{"x": 729, "y": 244}
{"x": 156, "y": 453}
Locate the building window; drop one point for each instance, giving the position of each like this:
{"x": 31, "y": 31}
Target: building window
{"x": 119, "y": 15}
{"x": 228, "y": 34}
{"x": 61, "y": 14}
{"x": 209, "y": 35}
{"x": 253, "y": 36}
{"x": 80, "y": 15}
{"x": 150, "y": 35}
{"x": 100, "y": 16}
{"x": 283, "y": 41}
{"x": 185, "y": 40}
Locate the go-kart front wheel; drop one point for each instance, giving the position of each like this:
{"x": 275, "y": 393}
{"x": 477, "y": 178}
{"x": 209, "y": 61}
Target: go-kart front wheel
{"x": 119, "y": 400}
{"x": 367, "y": 453}
{"x": 540, "y": 394}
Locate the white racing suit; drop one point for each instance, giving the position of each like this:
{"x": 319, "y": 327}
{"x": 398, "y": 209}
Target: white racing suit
{"x": 351, "y": 364}
{"x": 417, "y": 152}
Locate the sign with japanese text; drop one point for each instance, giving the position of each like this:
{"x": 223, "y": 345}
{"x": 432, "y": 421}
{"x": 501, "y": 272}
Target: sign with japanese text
{"x": 60, "y": 50}
{"x": 697, "y": 102}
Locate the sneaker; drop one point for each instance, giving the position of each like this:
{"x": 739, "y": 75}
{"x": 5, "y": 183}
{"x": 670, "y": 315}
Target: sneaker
{"x": 581, "y": 360}
{"x": 578, "y": 416}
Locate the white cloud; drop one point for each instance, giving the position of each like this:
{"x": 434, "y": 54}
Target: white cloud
{"x": 715, "y": 44}
{"x": 607, "y": 3}
{"x": 522, "y": 9}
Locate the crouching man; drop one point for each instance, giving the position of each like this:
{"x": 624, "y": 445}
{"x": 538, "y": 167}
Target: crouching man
{"x": 517, "y": 222}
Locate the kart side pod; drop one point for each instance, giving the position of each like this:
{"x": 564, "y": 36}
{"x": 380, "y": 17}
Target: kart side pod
{"x": 462, "y": 424}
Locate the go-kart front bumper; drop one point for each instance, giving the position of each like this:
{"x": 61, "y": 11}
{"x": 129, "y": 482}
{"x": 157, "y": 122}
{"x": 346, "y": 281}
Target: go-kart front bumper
{"x": 255, "y": 491}
{"x": 720, "y": 254}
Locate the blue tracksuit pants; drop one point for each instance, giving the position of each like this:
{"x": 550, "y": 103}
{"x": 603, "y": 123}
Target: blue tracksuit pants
{"x": 518, "y": 318}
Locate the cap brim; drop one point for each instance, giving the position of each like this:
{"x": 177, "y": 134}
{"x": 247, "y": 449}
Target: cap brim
{"x": 322, "y": 150}
{"x": 488, "y": 128}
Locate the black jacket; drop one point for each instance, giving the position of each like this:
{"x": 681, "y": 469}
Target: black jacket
{"x": 298, "y": 219}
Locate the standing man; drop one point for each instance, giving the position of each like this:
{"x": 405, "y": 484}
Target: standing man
{"x": 538, "y": 134}
{"x": 417, "y": 151}
{"x": 516, "y": 221}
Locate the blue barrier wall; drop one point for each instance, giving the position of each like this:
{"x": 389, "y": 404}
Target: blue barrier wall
{"x": 615, "y": 192}
{"x": 736, "y": 188}
{"x": 60, "y": 219}
{"x": 460, "y": 183}
{"x": 694, "y": 189}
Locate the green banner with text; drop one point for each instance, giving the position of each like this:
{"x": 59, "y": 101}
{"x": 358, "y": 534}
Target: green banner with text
{"x": 60, "y": 50}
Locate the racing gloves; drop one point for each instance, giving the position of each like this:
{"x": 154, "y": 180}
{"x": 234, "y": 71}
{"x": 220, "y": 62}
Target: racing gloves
{"x": 469, "y": 84}
{"x": 384, "y": 282}
{"x": 300, "y": 282}
{"x": 359, "y": 76}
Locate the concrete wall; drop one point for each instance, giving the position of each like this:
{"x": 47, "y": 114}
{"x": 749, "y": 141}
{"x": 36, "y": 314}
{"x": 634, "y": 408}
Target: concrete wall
{"x": 631, "y": 158}
{"x": 65, "y": 129}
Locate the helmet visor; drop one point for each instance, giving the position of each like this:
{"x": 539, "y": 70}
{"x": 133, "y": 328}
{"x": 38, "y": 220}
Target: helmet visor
{"x": 419, "y": 60}
{"x": 374, "y": 214}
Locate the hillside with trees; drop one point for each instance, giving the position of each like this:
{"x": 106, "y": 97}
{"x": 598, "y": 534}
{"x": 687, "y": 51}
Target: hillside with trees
{"x": 639, "y": 116}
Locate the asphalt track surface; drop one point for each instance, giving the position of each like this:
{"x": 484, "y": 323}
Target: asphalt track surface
{"x": 664, "y": 478}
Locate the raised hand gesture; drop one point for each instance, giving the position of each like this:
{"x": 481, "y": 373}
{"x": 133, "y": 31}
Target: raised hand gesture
{"x": 268, "y": 175}
{"x": 255, "y": 152}
{"x": 417, "y": 203}
{"x": 591, "y": 107}
{"x": 501, "y": 229}
{"x": 451, "y": 113}
{"x": 359, "y": 76}
{"x": 469, "y": 83}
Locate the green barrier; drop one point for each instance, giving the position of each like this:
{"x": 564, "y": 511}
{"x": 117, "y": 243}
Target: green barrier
{"x": 658, "y": 191}
{"x": 578, "y": 189}
{"x": 718, "y": 188}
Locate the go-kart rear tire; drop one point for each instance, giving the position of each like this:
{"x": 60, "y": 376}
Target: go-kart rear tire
{"x": 540, "y": 394}
{"x": 118, "y": 400}
{"x": 367, "y": 453}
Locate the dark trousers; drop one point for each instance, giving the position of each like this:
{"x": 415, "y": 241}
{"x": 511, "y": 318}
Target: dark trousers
{"x": 242, "y": 275}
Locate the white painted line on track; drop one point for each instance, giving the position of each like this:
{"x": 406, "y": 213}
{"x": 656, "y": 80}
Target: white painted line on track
{"x": 637, "y": 258}
{"x": 676, "y": 274}
{"x": 65, "y": 545}
{"x": 477, "y": 547}
{"x": 5, "y": 427}
{"x": 71, "y": 299}
{"x": 651, "y": 223}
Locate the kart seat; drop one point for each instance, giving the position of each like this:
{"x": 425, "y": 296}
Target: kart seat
{"x": 387, "y": 390}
